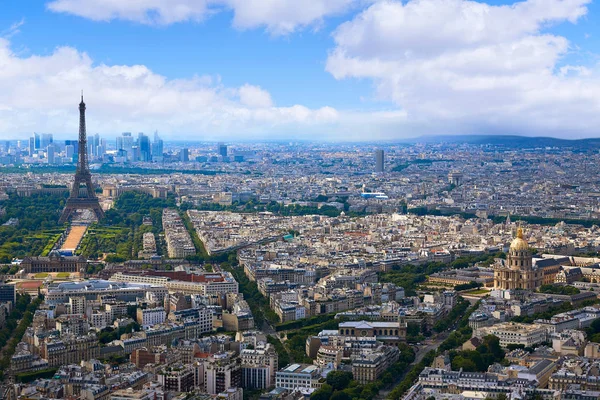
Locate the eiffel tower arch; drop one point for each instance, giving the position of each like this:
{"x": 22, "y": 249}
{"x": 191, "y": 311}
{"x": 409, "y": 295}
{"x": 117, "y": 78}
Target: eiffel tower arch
{"x": 88, "y": 199}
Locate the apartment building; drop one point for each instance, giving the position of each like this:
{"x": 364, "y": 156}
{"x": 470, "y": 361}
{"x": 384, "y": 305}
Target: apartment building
{"x": 259, "y": 366}
{"x": 298, "y": 376}
{"x": 368, "y": 366}
{"x": 151, "y": 316}
{"x": 179, "y": 242}
{"x": 515, "y": 333}
{"x": 221, "y": 372}
{"x": 177, "y": 378}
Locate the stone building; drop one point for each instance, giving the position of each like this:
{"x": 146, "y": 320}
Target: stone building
{"x": 369, "y": 366}
{"x": 55, "y": 262}
{"x": 391, "y": 333}
{"x": 518, "y": 272}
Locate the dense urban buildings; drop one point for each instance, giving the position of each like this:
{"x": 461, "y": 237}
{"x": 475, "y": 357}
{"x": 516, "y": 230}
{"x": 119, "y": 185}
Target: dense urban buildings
{"x": 274, "y": 273}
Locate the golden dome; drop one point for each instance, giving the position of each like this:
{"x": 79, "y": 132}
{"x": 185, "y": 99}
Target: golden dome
{"x": 519, "y": 244}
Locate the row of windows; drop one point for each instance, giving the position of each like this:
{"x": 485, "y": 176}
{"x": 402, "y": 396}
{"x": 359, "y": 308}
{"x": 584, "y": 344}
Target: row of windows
{"x": 375, "y": 332}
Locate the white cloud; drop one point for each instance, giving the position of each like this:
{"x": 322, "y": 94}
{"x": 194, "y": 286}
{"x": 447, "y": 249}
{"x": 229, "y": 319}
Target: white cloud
{"x": 277, "y": 16}
{"x": 161, "y": 12}
{"x": 254, "y": 96}
{"x": 13, "y": 30}
{"x": 284, "y": 16}
{"x": 40, "y": 93}
{"x": 471, "y": 66}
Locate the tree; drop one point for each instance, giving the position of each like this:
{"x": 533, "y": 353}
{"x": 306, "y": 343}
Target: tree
{"x": 466, "y": 364}
{"x": 339, "y": 380}
{"x": 339, "y": 395}
{"x": 324, "y": 393}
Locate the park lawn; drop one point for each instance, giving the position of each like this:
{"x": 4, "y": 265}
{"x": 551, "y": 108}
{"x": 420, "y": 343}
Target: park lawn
{"x": 63, "y": 275}
{"x": 41, "y": 275}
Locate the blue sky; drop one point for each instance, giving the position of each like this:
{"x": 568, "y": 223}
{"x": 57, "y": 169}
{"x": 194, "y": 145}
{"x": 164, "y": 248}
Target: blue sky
{"x": 345, "y": 69}
{"x": 283, "y": 65}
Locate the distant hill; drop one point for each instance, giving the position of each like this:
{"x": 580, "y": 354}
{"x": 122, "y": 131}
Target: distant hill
{"x": 511, "y": 141}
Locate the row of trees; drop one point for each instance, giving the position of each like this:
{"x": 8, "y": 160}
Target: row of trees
{"x": 530, "y": 219}
{"x": 559, "y": 289}
{"x": 259, "y": 305}
{"x": 296, "y": 339}
{"x": 593, "y": 331}
{"x": 410, "y": 276}
{"x": 26, "y": 377}
{"x": 37, "y": 217}
{"x": 411, "y": 376}
{"x": 467, "y": 286}
{"x": 455, "y": 339}
{"x": 17, "y": 322}
{"x": 481, "y": 358}
{"x": 120, "y": 232}
{"x": 297, "y": 324}
{"x": 278, "y": 208}
{"x": 340, "y": 385}
{"x": 457, "y": 311}
{"x": 109, "y": 334}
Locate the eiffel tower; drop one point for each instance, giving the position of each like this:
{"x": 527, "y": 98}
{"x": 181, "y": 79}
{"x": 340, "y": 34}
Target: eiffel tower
{"x": 77, "y": 200}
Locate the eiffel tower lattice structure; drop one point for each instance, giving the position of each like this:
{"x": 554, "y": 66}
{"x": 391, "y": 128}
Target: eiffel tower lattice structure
{"x": 78, "y": 200}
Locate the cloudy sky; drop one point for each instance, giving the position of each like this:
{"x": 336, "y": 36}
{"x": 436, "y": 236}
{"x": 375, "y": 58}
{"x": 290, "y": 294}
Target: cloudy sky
{"x": 289, "y": 69}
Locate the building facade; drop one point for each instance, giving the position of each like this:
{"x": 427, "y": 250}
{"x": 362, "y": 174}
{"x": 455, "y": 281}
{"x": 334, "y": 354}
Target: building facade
{"x": 222, "y": 371}
{"x": 53, "y": 263}
{"x": 518, "y": 272}
{"x": 515, "y": 333}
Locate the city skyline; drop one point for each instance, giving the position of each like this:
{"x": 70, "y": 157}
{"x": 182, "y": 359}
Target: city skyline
{"x": 230, "y": 70}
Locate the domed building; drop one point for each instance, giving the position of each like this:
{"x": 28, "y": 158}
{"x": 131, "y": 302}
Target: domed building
{"x": 519, "y": 271}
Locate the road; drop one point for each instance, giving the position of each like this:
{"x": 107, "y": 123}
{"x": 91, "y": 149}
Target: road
{"x": 431, "y": 344}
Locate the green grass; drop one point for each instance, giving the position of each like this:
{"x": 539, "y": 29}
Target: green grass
{"x": 50, "y": 245}
{"x": 63, "y": 275}
{"x": 100, "y": 239}
{"x": 41, "y": 275}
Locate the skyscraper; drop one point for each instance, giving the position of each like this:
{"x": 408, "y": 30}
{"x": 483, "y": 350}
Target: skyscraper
{"x": 96, "y": 142}
{"x": 222, "y": 150}
{"x": 128, "y": 145}
{"x": 184, "y": 155}
{"x": 379, "y": 161}
{"x": 50, "y": 156}
{"x": 36, "y": 141}
{"x": 157, "y": 148}
{"x": 119, "y": 143}
{"x": 75, "y": 144}
{"x": 46, "y": 140}
{"x": 69, "y": 151}
{"x": 31, "y": 146}
{"x": 144, "y": 147}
